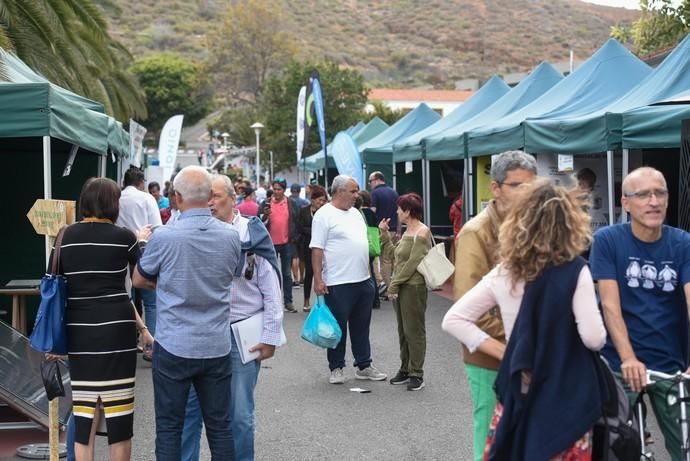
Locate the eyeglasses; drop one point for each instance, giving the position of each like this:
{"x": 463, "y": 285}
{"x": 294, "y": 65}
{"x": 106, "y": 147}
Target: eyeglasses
{"x": 513, "y": 185}
{"x": 647, "y": 194}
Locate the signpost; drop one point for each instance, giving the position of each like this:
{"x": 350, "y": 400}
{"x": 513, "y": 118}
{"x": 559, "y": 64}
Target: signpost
{"x": 48, "y": 217}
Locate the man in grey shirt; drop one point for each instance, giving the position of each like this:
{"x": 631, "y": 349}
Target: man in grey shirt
{"x": 191, "y": 265}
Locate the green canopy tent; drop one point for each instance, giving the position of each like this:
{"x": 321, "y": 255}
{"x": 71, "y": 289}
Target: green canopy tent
{"x": 413, "y": 147}
{"x": 445, "y": 146}
{"x": 360, "y": 135}
{"x": 607, "y": 75}
{"x": 377, "y": 153}
{"x": 42, "y": 125}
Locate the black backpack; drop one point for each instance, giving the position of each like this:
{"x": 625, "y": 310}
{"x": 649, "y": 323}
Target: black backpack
{"x": 616, "y": 436}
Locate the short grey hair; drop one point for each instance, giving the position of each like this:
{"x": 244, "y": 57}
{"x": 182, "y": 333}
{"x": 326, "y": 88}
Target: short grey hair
{"x": 509, "y": 161}
{"x": 230, "y": 189}
{"x": 193, "y": 183}
{"x": 340, "y": 182}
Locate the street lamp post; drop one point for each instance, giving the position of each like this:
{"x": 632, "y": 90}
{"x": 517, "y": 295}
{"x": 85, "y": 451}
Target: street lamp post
{"x": 257, "y": 129}
{"x": 225, "y": 136}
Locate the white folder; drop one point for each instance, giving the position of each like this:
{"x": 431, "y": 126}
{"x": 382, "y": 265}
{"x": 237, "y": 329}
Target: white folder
{"x": 247, "y": 334}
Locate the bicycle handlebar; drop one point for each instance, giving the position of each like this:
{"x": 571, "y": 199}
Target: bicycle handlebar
{"x": 660, "y": 375}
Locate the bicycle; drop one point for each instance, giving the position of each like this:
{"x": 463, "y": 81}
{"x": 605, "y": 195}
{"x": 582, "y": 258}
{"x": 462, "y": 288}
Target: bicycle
{"x": 679, "y": 379}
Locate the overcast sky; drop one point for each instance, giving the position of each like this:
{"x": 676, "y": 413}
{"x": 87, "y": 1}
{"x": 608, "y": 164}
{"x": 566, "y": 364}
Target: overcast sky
{"x": 631, "y": 4}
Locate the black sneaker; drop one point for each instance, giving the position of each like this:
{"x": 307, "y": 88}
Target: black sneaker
{"x": 415, "y": 384}
{"x": 383, "y": 290}
{"x": 290, "y": 308}
{"x": 400, "y": 378}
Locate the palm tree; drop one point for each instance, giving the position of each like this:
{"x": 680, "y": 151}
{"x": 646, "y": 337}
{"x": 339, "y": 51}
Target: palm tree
{"x": 67, "y": 41}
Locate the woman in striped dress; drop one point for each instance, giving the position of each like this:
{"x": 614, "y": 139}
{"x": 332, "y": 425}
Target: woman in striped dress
{"x": 101, "y": 321}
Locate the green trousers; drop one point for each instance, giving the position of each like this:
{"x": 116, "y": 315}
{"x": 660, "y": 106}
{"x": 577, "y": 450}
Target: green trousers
{"x": 667, "y": 417}
{"x": 410, "y": 311}
{"x": 483, "y": 404}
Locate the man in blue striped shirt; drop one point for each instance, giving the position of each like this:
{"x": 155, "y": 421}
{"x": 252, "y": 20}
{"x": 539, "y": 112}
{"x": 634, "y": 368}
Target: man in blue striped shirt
{"x": 191, "y": 265}
{"x": 256, "y": 290}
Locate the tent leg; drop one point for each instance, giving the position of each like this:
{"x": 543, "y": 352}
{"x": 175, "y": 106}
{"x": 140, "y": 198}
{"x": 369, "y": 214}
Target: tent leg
{"x": 425, "y": 192}
{"x": 101, "y": 165}
{"x": 626, "y": 167}
{"x": 47, "y": 185}
{"x": 609, "y": 174}
{"x": 469, "y": 189}
{"x": 395, "y": 178}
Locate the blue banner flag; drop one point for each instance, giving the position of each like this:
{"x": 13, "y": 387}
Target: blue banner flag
{"x": 347, "y": 159}
{"x": 318, "y": 107}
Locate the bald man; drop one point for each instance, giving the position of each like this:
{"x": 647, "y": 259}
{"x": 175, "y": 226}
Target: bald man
{"x": 643, "y": 270}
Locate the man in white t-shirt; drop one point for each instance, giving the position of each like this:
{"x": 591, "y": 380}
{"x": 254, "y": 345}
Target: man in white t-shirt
{"x": 340, "y": 257}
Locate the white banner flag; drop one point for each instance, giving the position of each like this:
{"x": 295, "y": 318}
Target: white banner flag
{"x": 136, "y": 142}
{"x": 168, "y": 143}
{"x": 301, "y": 104}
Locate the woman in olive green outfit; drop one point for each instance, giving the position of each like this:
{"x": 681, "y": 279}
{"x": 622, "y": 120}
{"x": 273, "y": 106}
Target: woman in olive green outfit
{"x": 407, "y": 289}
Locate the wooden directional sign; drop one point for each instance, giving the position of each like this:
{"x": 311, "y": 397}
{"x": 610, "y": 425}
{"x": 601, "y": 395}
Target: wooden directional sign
{"x": 49, "y": 216}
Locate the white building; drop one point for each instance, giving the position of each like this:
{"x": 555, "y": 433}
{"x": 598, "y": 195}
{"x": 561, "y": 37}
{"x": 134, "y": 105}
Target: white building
{"x": 442, "y": 101}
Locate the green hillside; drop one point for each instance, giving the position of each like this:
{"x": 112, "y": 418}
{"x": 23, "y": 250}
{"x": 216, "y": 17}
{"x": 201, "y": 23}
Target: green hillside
{"x": 394, "y": 43}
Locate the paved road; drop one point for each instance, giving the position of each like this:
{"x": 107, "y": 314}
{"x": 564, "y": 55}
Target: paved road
{"x": 300, "y": 416}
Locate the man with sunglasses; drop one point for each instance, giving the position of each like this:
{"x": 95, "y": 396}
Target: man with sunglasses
{"x": 643, "y": 270}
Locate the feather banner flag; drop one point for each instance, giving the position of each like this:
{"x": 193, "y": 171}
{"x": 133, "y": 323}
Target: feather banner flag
{"x": 301, "y": 108}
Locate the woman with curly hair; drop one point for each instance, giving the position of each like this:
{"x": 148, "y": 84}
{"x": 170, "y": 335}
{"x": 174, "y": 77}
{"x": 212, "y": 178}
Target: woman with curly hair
{"x": 548, "y": 386}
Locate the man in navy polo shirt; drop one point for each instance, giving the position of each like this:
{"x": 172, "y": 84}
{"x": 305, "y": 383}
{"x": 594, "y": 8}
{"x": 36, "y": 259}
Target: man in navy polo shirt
{"x": 643, "y": 269}
{"x": 384, "y": 203}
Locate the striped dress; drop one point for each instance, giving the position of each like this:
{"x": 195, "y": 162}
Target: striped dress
{"x": 101, "y": 325}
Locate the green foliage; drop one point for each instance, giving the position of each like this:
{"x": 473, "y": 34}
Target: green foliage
{"x": 173, "y": 86}
{"x": 249, "y": 45}
{"x": 663, "y": 23}
{"x": 236, "y": 122}
{"x": 68, "y": 42}
{"x": 344, "y": 98}
{"x": 382, "y": 111}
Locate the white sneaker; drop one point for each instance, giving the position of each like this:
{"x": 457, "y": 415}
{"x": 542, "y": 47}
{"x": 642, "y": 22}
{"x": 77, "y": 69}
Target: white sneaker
{"x": 370, "y": 373}
{"x": 337, "y": 376}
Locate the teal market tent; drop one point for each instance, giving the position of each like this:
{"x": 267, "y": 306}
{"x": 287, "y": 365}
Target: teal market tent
{"x": 412, "y": 147}
{"x": 604, "y": 77}
{"x": 379, "y": 150}
{"x": 602, "y": 130}
{"x": 659, "y": 126}
{"x": 451, "y": 143}
{"x": 360, "y": 133}
{"x": 377, "y": 154}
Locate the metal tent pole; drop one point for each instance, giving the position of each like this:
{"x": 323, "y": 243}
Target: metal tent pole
{"x": 47, "y": 185}
{"x": 609, "y": 185}
{"x": 425, "y": 192}
{"x": 469, "y": 188}
{"x": 626, "y": 168}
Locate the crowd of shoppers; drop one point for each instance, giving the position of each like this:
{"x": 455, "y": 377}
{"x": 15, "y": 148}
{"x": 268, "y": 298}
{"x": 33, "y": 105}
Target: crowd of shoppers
{"x": 526, "y": 311}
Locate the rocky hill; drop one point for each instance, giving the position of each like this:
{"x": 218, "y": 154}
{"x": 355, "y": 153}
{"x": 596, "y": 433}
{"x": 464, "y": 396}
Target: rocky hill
{"x": 395, "y": 42}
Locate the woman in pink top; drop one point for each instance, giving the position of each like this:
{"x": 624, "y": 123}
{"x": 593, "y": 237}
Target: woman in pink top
{"x": 548, "y": 229}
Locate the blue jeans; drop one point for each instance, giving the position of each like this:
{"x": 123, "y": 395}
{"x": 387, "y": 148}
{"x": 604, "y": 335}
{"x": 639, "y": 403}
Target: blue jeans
{"x": 351, "y": 304}
{"x": 148, "y": 297}
{"x": 284, "y": 251}
{"x": 69, "y": 442}
{"x": 173, "y": 377}
{"x": 242, "y": 384}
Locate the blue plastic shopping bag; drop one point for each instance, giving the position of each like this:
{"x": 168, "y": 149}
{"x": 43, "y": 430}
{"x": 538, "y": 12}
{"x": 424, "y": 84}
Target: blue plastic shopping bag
{"x": 321, "y": 328}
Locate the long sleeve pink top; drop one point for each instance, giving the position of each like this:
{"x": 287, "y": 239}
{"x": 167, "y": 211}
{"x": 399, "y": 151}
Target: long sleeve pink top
{"x": 496, "y": 289}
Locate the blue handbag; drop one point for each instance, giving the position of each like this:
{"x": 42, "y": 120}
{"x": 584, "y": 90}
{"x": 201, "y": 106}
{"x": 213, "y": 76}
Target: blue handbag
{"x": 50, "y": 332}
{"x": 321, "y": 328}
